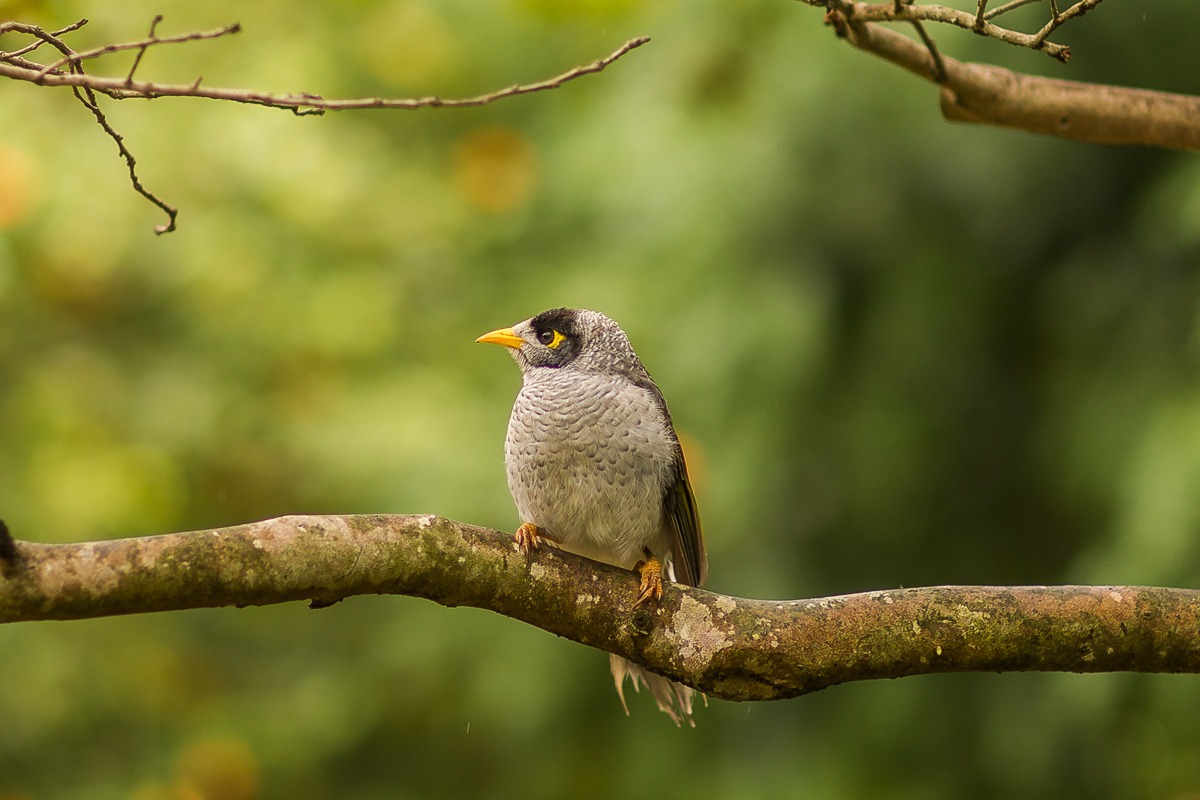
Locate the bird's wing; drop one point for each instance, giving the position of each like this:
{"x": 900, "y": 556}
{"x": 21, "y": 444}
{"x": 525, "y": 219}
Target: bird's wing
{"x": 687, "y": 541}
{"x": 688, "y": 555}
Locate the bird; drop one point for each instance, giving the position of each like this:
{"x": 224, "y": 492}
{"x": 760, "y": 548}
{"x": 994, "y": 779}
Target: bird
{"x": 595, "y": 467}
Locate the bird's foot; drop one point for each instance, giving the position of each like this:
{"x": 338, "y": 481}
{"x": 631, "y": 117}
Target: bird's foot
{"x": 529, "y": 538}
{"x": 652, "y": 581}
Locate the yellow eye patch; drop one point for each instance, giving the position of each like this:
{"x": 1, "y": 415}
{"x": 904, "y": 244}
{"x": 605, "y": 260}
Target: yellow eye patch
{"x": 558, "y": 339}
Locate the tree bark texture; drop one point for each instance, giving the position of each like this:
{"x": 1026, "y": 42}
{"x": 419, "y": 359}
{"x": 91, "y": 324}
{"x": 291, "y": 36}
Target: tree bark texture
{"x": 1085, "y": 112}
{"x": 727, "y": 647}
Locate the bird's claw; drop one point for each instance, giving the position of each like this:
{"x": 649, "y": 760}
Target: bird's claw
{"x": 529, "y": 538}
{"x": 651, "y": 587}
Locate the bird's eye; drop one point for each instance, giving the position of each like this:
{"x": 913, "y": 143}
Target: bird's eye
{"x": 551, "y": 338}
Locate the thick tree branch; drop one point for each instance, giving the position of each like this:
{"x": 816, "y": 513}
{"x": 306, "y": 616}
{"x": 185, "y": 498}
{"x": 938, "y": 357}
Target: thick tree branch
{"x": 1085, "y": 112}
{"x": 731, "y": 648}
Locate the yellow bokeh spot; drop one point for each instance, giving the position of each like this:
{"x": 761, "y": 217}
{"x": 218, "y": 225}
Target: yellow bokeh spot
{"x": 494, "y": 168}
{"x": 219, "y": 769}
{"x": 83, "y": 287}
{"x": 409, "y": 45}
{"x": 17, "y": 185}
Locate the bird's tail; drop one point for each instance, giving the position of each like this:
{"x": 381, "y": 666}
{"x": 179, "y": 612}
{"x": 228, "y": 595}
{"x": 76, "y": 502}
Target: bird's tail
{"x": 673, "y": 698}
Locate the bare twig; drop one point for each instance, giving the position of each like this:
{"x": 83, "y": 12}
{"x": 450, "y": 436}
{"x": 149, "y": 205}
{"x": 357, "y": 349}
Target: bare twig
{"x": 1057, "y": 19}
{"x": 118, "y": 89}
{"x": 35, "y": 45}
{"x": 989, "y": 95}
{"x": 1007, "y": 7}
{"x": 142, "y": 50}
{"x": 979, "y": 22}
{"x": 141, "y": 44}
{"x": 939, "y": 66}
{"x": 89, "y": 101}
{"x": 36, "y": 32}
{"x": 68, "y": 71}
{"x": 728, "y": 647}
{"x": 87, "y": 97}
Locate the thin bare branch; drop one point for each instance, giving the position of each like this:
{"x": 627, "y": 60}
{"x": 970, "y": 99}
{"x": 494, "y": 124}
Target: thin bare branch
{"x": 1057, "y": 19}
{"x": 728, "y": 647}
{"x": 1007, "y": 7}
{"x": 18, "y": 61}
{"x": 142, "y": 50}
{"x": 119, "y": 89}
{"x": 939, "y": 66}
{"x": 68, "y": 71}
{"x": 84, "y": 93}
{"x": 88, "y": 99}
{"x": 34, "y": 46}
{"x": 989, "y": 95}
{"x": 978, "y": 22}
{"x": 141, "y": 44}
{"x": 33, "y": 30}
{"x": 883, "y": 12}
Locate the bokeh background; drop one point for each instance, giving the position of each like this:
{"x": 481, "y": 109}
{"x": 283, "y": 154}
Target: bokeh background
{"x": 900, "y": 352}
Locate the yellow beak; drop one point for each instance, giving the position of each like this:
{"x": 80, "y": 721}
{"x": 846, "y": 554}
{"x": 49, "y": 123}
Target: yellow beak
{"x": 504, "y": 336}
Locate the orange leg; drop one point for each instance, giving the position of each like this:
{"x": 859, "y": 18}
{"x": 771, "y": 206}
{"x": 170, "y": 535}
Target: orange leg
{"x": 529, "y": 537}
{"x": 652, "y": 580}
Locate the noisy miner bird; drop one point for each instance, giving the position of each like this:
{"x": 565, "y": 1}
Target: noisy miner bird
{"x": 594, "y": 464}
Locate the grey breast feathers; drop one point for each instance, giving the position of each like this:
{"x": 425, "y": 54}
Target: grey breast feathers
{"x": 590, "y": 458}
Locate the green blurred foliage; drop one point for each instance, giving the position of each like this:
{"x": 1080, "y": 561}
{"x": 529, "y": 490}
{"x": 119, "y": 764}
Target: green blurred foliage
{"x": 901, "y": 353}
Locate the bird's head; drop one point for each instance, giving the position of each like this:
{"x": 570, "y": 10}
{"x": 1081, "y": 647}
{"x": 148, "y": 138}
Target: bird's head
{"x": 568, "y": 338}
